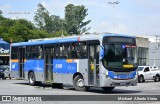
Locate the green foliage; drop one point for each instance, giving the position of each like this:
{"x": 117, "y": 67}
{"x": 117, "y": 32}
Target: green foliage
{"x": 1, "y": 12}
{"x": 1, "y": 17}
{"x": 20, "y": 30}
{"x": 46, "y": 25}
{"x": 60, "y": 33}
{"x": 45, "y": 21}
{"x": 74, "y": 19}
{"x": 42, "y": 17}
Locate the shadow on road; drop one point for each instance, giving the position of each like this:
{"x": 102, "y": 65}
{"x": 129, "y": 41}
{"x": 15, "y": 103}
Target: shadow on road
{"x": 115, "y": 91}
{"x": 38, "y": 85}
{"x": 148, "y": 81}
{"x": 91, "y": 90}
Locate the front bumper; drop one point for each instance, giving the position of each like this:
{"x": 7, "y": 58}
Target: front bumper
{"x": 109, "y": 82}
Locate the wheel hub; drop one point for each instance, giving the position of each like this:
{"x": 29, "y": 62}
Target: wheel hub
{"x": 31, "y": 79}
{"x": 80, "y": 83}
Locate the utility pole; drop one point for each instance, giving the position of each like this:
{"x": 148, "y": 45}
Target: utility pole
{"x": 113, "y": 3}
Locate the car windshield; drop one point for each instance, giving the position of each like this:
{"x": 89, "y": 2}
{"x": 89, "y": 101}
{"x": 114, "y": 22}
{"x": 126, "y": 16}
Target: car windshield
{"x": 140, "y": 68}
{"x": 118, "y": 55}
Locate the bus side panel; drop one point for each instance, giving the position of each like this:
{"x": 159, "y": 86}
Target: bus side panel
{"x": 35, "y": 65}
{"x": 63, "y": 70}
{"x": 64, "y": 66}
{"x": 14, "y": 69}
{"x": 63, "y": 78}
{"x": 83, "y": 68}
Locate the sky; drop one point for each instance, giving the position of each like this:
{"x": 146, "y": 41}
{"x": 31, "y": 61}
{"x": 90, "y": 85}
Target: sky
{"x": 131, "y": 17}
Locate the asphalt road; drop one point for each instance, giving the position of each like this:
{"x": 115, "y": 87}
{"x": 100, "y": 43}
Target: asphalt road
{"x": 21, "y": 87}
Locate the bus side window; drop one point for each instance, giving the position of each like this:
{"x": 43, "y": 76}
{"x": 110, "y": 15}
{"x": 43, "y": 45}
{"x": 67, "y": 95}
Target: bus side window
{"x": 40, "y": 52}
{"x": 64, "y": 48}
{"x": 14, "y": 53}
{"x": 34, "y": 52}
{"x": 81, "y": 49}
{"x": 57, "y": 51}
{"x": 73, "y": 52}
{"x": 28, "y": 52}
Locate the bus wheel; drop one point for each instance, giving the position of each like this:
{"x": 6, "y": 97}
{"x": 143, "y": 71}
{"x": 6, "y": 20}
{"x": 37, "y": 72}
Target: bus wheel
{"x": 79, "y": 83}
{"x": 32, "y": 79}
{"x": 108, "y": 89}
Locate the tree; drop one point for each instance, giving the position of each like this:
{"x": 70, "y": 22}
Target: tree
{"x": 19, "y": 30}
{"x": 60, "y": 33}
{"x": 1, "y": 17}
{"x": 45, "y": 21}
{"x": 1, "y": 13}
{"x": 74, "y": 19}
{"x": 41, "y": 17}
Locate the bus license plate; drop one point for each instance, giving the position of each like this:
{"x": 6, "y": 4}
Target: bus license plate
{"x": 123, "y": 84}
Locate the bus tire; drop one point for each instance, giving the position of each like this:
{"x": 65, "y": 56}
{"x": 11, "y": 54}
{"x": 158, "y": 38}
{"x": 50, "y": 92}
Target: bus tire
{"x": 79, "y": 83}
{"x": 156, "y": 79}
{"x": 32, "y": 79}
{"x": 108, "y": 89}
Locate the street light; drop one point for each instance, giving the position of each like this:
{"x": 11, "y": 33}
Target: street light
{"x": 113, "y": 3}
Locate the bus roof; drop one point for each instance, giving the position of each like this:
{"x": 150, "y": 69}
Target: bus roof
{"x": 68, "y": 39}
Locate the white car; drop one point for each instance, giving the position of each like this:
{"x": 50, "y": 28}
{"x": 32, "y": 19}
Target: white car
{"x": 148, "y": 73}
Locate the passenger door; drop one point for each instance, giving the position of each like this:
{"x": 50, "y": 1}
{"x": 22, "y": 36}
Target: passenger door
{"x": 93, "y": 63}
{"x": 21, "y": 59}
{"x": 48, "y": 59}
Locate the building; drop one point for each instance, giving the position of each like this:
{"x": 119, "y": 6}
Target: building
{"x": 142, "y": 51}
{"x": 153, "y": 50}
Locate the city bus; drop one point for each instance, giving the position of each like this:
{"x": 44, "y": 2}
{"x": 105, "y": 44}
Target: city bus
{"x": 104, "y": 60}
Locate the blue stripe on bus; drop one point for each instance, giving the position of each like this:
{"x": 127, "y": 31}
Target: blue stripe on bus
{"x": 62, "y": 66}
{"x": 14, "y": 66}
{"x": 36, "y": 65}
{"x": 121, "y": 76}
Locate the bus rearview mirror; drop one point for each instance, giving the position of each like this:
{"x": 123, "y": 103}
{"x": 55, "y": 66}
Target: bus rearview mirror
{"x": 101, "y": 52}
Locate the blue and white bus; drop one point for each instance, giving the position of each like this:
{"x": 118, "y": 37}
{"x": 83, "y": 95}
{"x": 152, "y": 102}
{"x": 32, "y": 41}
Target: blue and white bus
{"x": 104, "y": 60}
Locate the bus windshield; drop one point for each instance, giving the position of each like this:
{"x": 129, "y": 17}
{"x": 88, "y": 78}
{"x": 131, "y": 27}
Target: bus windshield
{"x": 119, "y": 55}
